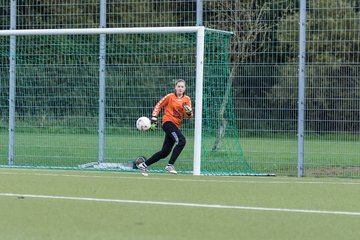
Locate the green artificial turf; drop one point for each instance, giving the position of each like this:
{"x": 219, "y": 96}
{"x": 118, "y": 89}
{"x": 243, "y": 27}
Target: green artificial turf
{"x": 57, "y": 204}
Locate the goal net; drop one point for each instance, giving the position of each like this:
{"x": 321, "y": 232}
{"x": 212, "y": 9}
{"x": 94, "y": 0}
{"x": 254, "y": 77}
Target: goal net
{"x": 70, "y": 98}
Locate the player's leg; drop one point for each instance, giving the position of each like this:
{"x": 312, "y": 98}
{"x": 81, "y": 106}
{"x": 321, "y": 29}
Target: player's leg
{"x": 180, "y": 142}
{"x": 164, "y": 152}
{"x": 178, "y": 148}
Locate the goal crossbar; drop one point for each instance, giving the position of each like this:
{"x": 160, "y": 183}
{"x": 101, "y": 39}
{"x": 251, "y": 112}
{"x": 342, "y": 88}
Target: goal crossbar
{"x": 94, "y": 31}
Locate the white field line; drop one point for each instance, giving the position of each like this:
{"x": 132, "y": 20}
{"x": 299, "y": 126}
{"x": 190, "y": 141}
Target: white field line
{"x": 219, "y": 179}
{"x": 180, "y": 204}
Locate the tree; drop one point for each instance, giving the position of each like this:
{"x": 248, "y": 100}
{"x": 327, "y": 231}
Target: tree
{"x": 332, "y": 55}
{"x": 248, "y": 21}
{"x": 36, "y": 14}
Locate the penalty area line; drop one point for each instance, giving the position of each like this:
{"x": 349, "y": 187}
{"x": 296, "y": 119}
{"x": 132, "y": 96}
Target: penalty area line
{"x": 180, "y": 204}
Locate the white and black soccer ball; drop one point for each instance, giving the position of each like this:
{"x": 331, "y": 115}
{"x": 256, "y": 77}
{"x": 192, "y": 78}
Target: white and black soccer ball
{"x": 143, "y": 124}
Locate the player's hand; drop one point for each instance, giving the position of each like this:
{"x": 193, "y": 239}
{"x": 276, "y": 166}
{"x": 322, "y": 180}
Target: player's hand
{"x": 153, "y": 125}
{"x": 188, "y": 110}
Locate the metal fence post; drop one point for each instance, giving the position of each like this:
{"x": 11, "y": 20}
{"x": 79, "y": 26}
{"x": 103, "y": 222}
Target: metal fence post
{"x": 301, "y": 97}
{"x": 102, "y": 66}
{"x": 12, "y": 85}
{"x": 199, "y": 13}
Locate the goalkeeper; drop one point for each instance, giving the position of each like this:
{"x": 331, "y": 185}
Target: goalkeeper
{"x": 176, "y": 106}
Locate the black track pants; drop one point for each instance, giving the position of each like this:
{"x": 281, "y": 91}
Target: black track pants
{"x": 173, "y": 136}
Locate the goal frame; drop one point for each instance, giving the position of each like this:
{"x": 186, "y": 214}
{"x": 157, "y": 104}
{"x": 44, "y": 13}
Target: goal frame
{"x": 200, "y": 42}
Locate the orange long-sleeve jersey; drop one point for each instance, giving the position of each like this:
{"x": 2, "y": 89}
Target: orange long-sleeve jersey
{"x": 174, "y": 110}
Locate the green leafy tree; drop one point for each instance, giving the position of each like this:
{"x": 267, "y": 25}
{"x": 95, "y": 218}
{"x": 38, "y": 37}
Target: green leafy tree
{"x": 140, "y": 13}
{"x": 35, "y": 14}
{"x": 252, "y": 25}
{"x": 332, "y": 56}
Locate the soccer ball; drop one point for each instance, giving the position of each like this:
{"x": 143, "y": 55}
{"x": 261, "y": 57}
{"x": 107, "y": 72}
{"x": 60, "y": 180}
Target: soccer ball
{"x": 143, "y": 124}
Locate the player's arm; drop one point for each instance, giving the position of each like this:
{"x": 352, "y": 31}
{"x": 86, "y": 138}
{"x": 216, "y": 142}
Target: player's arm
{"x": 159, "y": 105}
